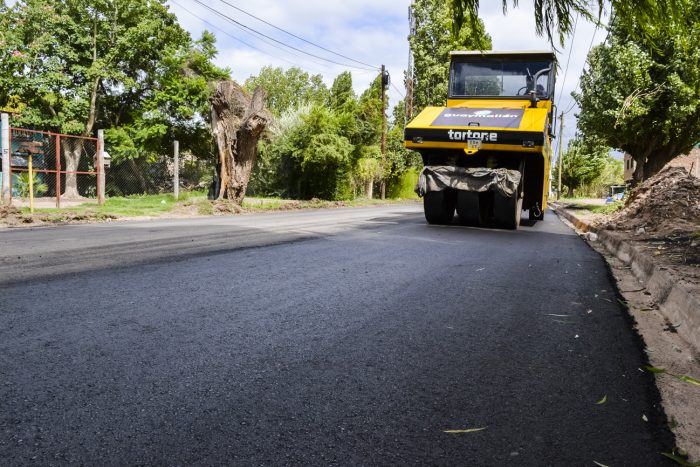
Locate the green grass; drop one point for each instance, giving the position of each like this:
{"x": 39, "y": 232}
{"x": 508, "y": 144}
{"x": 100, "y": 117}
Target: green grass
{"x": 157, "y": 205}
{"x": 599, "y": 208}
{"x": 123, "y": 206}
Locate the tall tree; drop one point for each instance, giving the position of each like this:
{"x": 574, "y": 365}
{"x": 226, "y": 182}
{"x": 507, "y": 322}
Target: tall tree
{"x": 582, "y": 163}
{"x": 644, "y": 98}
{"x": 68, "y": 57}
{"x": 431, "y": 44}
{"x": 288, "y": 88}
{"x": 175, "y": 106}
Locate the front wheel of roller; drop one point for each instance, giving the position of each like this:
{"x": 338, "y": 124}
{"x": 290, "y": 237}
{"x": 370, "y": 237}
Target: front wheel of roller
{"x": 507, "y": 210}
{"x": 439, "y": 207}
{"x": 468, "y": 208}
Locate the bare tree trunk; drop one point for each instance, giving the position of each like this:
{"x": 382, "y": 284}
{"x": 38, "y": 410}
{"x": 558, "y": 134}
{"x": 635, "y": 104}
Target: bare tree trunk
{"x": 649, "y": 164}
{"x": 238, "y": 121}
{"x": 370, "y": 188}
{"x": 72, "y": 149}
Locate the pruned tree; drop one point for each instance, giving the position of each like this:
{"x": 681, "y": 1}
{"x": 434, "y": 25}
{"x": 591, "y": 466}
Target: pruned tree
{"x": 238, "y": 121}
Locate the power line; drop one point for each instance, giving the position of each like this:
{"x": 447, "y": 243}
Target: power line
{"x": 297, "y": 37}
{"x": 231, "y": 35}
{"x": 566, "y": 71}
{"x": 398, "y": 90}
{"x": 578, "y": 83}
{"x": 228, "y": 18}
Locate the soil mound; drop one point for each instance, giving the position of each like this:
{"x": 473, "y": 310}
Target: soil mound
{"x": 668, "y": 204}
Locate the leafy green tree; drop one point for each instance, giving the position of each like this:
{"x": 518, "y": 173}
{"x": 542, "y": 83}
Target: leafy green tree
{"x": 344, "y": 105}
{"x": 368, "y": 168}
{"x": 342, "y": 93}
{"x": 369, "y": 115}
{"x": 277, "y": 169}
{"x": 174, "y": 107}
{"x": 288, "y": 88}
{"x": 645, "y": 99}
{"x": 326, "y": 166}
{"x": 402, "y": 164}
{"x": 72, "y": 62}
{"x": 583, "y": 162}
{"x": 431, "y": 44}
{"x": 612, "y": 174}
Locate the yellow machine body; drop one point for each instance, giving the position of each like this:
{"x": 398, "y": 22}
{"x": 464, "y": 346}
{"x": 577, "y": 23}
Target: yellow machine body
{"x": 499, "y": 114}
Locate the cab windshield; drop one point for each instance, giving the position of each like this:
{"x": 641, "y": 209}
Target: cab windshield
{"x": 499, "y": 77}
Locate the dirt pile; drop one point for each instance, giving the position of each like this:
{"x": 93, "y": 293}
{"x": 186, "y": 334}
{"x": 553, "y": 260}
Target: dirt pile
{"x": 668, "y": 204}
{"x": 10, "y": 215}
{"x": 224, "y": 206}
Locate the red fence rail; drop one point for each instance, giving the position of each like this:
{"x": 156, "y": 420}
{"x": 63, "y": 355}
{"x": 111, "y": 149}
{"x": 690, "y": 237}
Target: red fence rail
{"x": 63, "y": 166}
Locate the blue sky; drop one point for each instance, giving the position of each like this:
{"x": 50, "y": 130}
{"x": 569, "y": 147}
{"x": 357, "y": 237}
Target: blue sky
{"x": 370, "y": 31}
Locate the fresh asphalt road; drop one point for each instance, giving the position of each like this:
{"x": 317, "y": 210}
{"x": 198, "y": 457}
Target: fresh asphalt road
{"x": 349, "y": 336}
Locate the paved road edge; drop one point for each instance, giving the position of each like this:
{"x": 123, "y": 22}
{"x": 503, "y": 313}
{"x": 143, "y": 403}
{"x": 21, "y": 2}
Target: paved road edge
{"x": 675, "y": 301}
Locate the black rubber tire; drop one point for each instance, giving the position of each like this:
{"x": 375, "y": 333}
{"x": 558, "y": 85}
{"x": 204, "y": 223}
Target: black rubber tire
{"x": 468, "y": 208}
{"x": 507, "y": 211}
{"x": 439, "y": 206}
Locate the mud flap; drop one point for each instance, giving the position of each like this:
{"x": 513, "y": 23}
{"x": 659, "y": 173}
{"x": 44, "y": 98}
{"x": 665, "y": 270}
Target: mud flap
{"x": 440, "y": 177}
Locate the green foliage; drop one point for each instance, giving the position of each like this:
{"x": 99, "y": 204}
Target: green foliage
{"x": 555, "y": 18}
{"x": 342, "y": 96}
{"x": 288, "y": 89}
{"x": 644, "y": 98}
{"x": 583, "y": 163}
{"x": 403, "y": 185}
{"x": 326, "y": 167}
{"x": 62, "y": 57}
{"x": 327, "y": 145}
{"x": 123, "y": 65}
{"x": 431, "y": 45}
{"x": 21, "y": 185}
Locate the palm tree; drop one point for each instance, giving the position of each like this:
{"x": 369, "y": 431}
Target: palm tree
{"x": 555, "y": 18}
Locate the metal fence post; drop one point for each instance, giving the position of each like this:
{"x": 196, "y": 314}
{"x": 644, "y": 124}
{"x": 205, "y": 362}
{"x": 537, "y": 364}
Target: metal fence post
{"x": 100, "y": 167}
{"x": 5, "y": 137}
{"x": 58, "y": 171}
{"x": 176, "y": 170}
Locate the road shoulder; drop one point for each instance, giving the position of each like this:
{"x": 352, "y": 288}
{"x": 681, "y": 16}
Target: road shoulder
{"x": 663, "y": 302}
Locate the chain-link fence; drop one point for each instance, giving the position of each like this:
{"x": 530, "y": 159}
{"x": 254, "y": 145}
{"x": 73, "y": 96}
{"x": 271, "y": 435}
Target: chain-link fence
{"x": 62, "y": 166}
{"x": 139, "y": 176}
{"x": 64, "y": 170}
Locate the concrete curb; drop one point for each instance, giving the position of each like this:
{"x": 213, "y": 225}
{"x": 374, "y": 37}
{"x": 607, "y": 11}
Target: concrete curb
{"x": 676, "y": 301}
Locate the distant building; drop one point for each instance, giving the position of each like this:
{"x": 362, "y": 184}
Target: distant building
{"x": 690, "y": 161}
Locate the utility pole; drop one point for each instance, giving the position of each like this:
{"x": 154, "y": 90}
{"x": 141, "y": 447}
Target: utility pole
{"x": 561, "y": 145}
{"x": 385, "y": 83}
{"x": 410, "y": 70}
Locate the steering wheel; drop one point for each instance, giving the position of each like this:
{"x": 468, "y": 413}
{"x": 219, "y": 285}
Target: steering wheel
{"x": 524, "y": 88}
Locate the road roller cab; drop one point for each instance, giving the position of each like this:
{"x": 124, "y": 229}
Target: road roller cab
{"x": 487, "y": 154}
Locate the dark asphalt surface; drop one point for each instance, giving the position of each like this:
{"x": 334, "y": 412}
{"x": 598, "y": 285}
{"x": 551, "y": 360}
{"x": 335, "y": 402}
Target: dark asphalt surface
{"x": 353, "y": 344}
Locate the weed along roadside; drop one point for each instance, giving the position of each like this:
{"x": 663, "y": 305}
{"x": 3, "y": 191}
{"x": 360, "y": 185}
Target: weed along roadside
{"x": 189, "y": 204}
{"x": 656, "y": 265}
